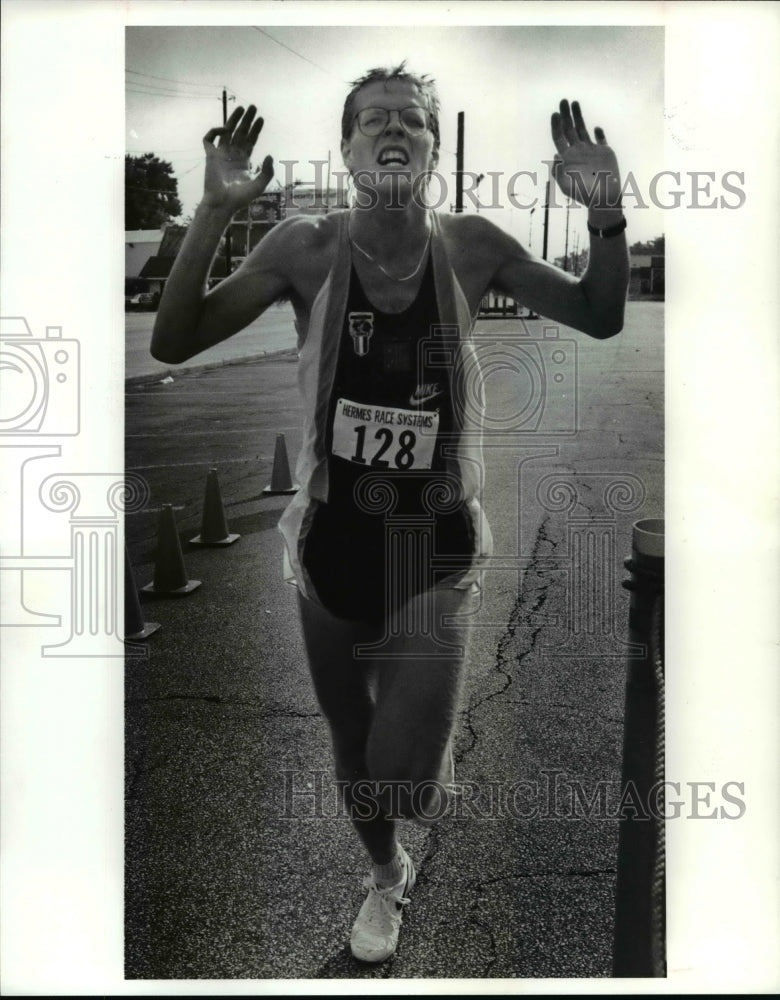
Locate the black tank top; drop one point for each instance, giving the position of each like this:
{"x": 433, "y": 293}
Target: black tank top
{"x": 389, "y": 417}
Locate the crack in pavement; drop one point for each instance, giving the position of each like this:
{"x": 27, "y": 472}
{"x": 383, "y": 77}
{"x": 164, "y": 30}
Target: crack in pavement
{"x": 214, "y": 698}
{"x": 265, "y": 711}
{"x": 480, "y": 889}
{"x": 530, "y": 600}
{"x": 475, "y": 921}
{"x": 574, "y": 873}
{"x": 533, "y": 594}
{"x": 520, "y": 612}
{"x": 484, "y": 884}
{"x": 135, "y": 773}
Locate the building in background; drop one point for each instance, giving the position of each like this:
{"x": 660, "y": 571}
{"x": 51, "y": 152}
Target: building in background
{"x": 157, "y": 268}
{"x": 140, "y": 245}
{"x": 251, "y": 224}
{"x": 151, "y": 259}
{"x": 647, "y": 277}
{"x": 301, "y": 198}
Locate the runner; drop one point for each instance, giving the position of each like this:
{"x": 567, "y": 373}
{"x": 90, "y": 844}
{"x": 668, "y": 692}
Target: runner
{"x": 386, "y": 539}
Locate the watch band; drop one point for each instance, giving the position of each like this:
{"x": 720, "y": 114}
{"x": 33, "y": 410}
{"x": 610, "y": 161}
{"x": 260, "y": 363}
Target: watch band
{"x": 605, "y": 234}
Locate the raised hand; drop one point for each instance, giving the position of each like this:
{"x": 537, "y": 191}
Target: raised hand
{"x": 228, "y": 182}
{"x": 586, "y": 171}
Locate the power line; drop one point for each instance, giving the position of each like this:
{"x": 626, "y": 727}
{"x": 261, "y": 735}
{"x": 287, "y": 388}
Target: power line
{"x": 162, "y": 88}
{"x": 138, "y": 187}
{"x": 168, "y": 79}
{"x": 305, "y": 58}
{"x": 171, "y": 94}
{"x": 190, "y": 169}
{"x": 281, "y": 125}
{"x": 166, "y": 152}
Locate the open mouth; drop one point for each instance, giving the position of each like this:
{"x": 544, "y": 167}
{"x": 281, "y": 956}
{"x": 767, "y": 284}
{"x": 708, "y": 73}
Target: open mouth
{"x": 393, "y": 156}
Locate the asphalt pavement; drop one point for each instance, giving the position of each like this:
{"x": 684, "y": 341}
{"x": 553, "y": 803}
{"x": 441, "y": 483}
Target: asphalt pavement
{"x": 239, "y": 862}
{"x": 272, "y": 333}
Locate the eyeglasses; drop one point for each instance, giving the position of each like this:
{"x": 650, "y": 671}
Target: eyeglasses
{"x": 373, "y": 121}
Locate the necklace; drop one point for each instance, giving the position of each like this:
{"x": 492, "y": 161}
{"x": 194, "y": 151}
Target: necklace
{"x": 373, "y": 260}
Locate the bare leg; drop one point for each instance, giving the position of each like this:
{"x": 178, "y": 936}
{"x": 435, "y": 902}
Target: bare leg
{"x": 343, "y": 684}
{"x": 398, "y": 740}
{"x": 417, "y": 703}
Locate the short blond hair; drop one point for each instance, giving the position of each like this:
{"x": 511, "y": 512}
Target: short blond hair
{"x": 425, "y": 84}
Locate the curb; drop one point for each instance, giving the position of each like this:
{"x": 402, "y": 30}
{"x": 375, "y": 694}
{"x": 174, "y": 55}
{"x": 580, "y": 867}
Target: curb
{"x": 157, "y": 377}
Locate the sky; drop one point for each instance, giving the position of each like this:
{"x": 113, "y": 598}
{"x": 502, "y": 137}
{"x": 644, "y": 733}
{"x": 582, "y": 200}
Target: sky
{"x": 506, "y": 79}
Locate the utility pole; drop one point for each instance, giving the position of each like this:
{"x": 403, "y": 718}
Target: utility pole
{"x": 459, "y": 165}
{"x": 576, "y": 254}
{"x": 546, "y": 219}
{"x": 530, "y": 226}
{"x": 228, "y": 255}
{"x": 566, "y": 244}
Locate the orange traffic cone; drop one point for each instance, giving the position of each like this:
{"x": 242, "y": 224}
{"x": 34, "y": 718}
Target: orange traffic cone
{"x": 281, "y": 480}
{"x": 213, "y": 528}
{"x": 170, "y": 576}
{"x": 135, "y": 626}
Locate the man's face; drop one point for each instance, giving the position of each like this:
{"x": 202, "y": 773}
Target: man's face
{"x": 392, "y": 150}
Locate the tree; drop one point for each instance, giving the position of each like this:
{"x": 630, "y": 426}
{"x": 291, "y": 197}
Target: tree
{"x": 652, "y": 247}
{"x": 151, "y": 192}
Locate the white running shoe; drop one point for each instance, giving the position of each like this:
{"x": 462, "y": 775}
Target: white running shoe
{"x": 375, "y": 931}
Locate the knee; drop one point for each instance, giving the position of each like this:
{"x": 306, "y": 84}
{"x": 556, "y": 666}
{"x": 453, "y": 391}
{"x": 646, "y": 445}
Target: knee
{"x": 406, "y": 788}
{"x": 425, "y": 800}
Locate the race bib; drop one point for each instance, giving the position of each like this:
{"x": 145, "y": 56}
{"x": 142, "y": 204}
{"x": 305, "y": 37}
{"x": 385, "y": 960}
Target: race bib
{"x": 384, "y": 437}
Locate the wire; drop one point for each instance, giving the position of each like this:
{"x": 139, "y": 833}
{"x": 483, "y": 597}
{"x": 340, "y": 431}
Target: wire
{"x": 169, "y": 94}
{"x": 138, "y": 187}
{"x": 163, "y": 88}
{"x": 168, "y": 79}
{"x": 305, "y": 58}
{"x": 165, "y": 152}
{"x": 281, "y": 125}
{"x": 190, "y": 169}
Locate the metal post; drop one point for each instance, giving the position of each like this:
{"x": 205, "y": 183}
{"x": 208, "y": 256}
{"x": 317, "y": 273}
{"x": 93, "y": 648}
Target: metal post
{"x": 228, "y": 256}
{"x": 639, "y": 942}
{"x": 459, "y": 165}
{"x": 546, "y": 219}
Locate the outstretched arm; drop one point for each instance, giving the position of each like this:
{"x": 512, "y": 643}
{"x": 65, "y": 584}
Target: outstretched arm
{"x": 587, "y": 172}
{"x": 189, "y": 318}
